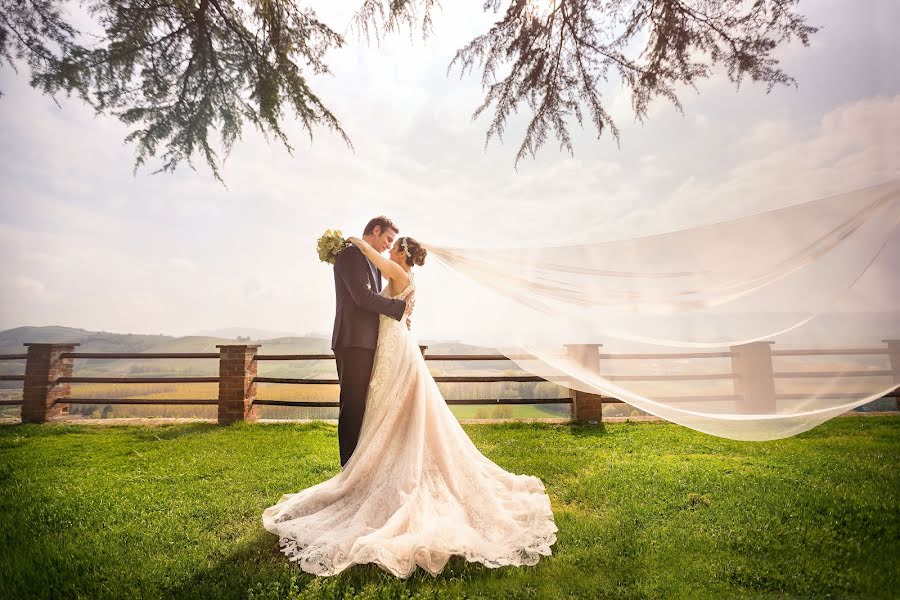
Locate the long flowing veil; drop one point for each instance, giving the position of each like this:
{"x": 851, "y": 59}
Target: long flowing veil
{"x": 755, "y": 328}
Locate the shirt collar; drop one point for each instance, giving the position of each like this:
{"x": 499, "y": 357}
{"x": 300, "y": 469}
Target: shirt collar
{"x": 375, "y": 273}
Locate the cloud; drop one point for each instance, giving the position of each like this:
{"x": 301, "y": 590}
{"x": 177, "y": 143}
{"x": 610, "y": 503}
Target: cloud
{"x": 853, "y": 146}
{"x": 771, "y": 133}
{"x": 27, "y": 284}
{"x": 182, "y": 263}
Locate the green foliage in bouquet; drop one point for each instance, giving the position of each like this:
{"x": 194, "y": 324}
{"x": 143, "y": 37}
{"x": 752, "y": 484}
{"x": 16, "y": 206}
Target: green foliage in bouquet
{"x": 328, "y": 246}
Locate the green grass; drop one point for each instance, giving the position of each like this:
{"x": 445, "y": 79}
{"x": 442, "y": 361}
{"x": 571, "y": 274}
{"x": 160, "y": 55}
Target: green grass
{"x": 508, "y": 411}
{"x": 645, "y": 510}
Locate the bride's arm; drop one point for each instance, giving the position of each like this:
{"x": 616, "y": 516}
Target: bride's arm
{"x": 388, "y": 268}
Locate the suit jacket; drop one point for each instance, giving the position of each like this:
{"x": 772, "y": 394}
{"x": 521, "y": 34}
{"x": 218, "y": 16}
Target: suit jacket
{"x": 357, "y": 284}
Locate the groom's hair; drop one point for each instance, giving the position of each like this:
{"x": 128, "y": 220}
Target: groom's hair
{"x": 381, "y": 221}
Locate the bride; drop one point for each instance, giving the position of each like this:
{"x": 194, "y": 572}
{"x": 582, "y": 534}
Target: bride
{"x": 416, "y": 490}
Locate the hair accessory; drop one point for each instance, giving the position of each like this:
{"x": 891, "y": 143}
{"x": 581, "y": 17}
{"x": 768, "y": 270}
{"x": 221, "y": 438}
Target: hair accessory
{"x": 405, "y": 248}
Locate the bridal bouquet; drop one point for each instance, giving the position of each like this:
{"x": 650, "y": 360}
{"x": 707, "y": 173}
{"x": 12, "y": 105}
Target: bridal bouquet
{"x": 328, "y": 246}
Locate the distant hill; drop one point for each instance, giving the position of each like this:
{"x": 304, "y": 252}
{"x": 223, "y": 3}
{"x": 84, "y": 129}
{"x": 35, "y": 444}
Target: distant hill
{"x": 256, "y": 334}
{"x": 12, "y": 340}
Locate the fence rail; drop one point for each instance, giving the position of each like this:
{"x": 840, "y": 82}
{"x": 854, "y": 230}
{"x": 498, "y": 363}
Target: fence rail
{"x": 49, "y": 366}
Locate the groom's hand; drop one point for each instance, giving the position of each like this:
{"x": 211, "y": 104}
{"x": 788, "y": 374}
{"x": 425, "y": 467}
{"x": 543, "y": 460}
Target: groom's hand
{"x": 410, "y": 303}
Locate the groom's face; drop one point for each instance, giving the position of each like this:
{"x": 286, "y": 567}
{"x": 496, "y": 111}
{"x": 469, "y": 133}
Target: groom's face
{"x": 384, "y": 238}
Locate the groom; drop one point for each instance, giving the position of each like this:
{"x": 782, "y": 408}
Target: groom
{"x": 357, "y": 287}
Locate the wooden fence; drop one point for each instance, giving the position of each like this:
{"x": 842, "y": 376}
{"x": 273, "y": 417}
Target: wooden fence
{"x": 49, "y": 370}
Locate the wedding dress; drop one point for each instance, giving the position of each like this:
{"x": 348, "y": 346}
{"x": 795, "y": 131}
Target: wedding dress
{"x": 416, "y": 489}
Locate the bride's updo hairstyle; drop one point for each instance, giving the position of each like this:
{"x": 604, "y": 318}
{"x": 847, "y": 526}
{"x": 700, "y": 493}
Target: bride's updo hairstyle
{"x": 415, "y": 252}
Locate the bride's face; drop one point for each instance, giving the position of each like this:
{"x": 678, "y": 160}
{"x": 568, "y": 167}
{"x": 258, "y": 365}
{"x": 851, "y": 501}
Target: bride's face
{"x": 397, "y": 254}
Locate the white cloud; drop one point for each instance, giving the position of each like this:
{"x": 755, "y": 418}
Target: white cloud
{"x": 183, "y": 263}
{"x": 27, "y": 284}
{"x": 770, "y": 133}
{"x": 853, "y": 146}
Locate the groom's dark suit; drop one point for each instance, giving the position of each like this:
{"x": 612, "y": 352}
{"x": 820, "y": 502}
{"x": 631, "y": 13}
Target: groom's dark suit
{"x": 357, "y": 284}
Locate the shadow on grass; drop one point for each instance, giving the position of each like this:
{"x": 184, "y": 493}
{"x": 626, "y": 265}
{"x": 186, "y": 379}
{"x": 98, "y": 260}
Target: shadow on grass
{"x": 41, "y": 429}
{"x": 576, "y": 428}
{"x": 258, "y": 565}
{"x": 586, "y": 430}
{"x": 141, "y": 432}
{"x": 172, "y": 432}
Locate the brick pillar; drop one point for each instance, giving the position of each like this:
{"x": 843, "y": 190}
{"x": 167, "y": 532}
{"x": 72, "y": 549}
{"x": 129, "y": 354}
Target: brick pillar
{"x": 586, "y": 406}
{"x": 894, "y": 354}
{"x": 237, "y": 390}
{"x": 40, "y": 389}
{"x": 752, "y": 366}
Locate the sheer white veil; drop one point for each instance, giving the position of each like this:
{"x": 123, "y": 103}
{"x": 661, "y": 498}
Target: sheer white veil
{"x": 755, "y": 328}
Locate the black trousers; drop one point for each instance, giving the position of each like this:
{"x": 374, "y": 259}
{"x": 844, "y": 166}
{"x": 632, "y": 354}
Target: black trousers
{"x": 354, "y": 367}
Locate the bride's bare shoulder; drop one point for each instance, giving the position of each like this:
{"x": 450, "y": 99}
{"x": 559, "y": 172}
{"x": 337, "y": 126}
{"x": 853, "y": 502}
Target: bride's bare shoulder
{"x": 400, "y": 281}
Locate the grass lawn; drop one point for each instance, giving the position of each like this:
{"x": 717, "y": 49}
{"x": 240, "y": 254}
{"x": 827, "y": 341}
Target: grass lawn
{"x": 507, "y": 411}
{"x": 645, "y": 510}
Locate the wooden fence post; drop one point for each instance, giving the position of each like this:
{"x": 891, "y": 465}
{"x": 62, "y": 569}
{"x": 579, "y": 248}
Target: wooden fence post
{"x": 752, "y": 366}
{"x": 894, "y": 353}
{"x": 237, "y": 390}
{"x": 422, "y": 349}
{"x": 40, "y": 390}
{"x": 586, "y": 406}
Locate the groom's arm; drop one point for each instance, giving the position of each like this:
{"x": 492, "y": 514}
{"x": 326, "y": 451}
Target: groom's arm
{"x": 351, "y": 266}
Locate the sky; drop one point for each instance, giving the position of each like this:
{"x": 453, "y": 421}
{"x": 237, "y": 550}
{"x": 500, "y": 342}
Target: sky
{"x": 87, "y": 244}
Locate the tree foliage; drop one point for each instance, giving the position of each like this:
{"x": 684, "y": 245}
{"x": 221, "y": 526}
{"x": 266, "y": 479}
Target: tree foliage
{"x": 175, "y": 69}
{"x": 179, "y": 71}
{"x": 560, "y": 52}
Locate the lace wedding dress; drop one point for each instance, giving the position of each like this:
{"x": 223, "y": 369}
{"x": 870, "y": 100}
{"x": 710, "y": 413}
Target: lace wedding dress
{"x": 416, "y": 489}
